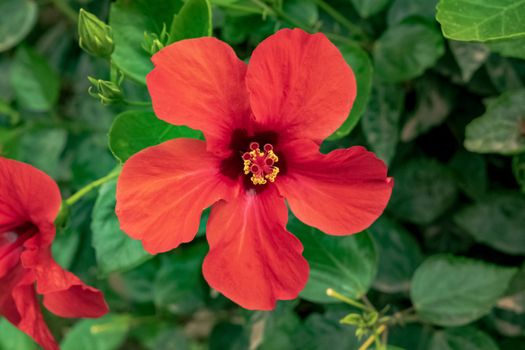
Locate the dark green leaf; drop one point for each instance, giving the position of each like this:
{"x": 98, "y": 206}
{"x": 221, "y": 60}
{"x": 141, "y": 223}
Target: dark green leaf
{"x": 133, "y": 131}
{"x": 279, "y": 326}
{"x": 304, "y": 11}
{"x": 453, "y": 291}
{"x": 192, "y": 21}
{"x": 325, "y": 332}
{"x": 465, "y": 338}
{"x": 501, "y": 129}
{"x": 423, "y": 190}
{"x": 65, "y": 247}
{"x": 360, "y": 62}
{"x": 106, "y": 333}
{"x": 471, "y": 173}
{"x": 115, "y": 250}
{"x": 179, "y": 287}
{"x": 17, "y": 19}
{"x": 399, "y": 256}
{"x": 497, "y": 220}
{"x": 11, "y": 338}
{"x": 347, "y": 264}
{"x": 129, "y": 21}
{"x": 35, "y": 83}
{"x": 509, "y": 47}
{"x": 381, "y": 119}
{"x": 406, "y": 50}
{"x": 402, "y": 9}
{"x": 518, "y": 168}
{"x": 469, "y": 56}
{"x": 481, "y": 20}
{"x": 505, "y": 74}
{"x": 367, "y": 8}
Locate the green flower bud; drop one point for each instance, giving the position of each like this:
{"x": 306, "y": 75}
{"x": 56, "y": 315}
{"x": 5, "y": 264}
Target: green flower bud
{"x": 108, "y": 92}
{"x": 155, "y": 42}
{"x": 94, "y": 35}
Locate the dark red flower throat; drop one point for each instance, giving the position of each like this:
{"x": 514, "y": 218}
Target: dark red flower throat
{"x": 255, "y": 157}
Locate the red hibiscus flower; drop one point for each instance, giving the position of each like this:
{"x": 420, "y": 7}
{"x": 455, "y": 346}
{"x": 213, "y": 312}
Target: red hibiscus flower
{"x": 263, "y": 125}
{"x": 29, "y": 203}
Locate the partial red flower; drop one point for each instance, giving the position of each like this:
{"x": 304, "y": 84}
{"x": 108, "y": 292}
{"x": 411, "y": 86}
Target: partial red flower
{"x": 29, "y": 203}
{"x": 263, "y": 125}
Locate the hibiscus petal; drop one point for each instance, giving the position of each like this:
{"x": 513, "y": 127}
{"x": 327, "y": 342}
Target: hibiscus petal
{"x": 64, "y": 293}
{"x": 163, "y": 190}
{"x": 26, "y": 195}
{"x": 253, "y": 260}
{"x": 23, "y": 311}
{"x": 300, "y": 83}
{"x": 340, "y": 193}
{"x": 200, "y": 83}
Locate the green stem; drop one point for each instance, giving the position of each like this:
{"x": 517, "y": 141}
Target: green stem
{"x": 332, "y": 293}
{"x": 90, "y": 187}
{"x": 340, "y": 18}
{"x": 64, "y": 7}
{"x": 137, "y": 103}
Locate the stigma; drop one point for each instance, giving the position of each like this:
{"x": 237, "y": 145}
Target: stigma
{"x": 260, "y": 164}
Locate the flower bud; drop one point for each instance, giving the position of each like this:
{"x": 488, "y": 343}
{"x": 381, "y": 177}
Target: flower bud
{"x": 155, "y": 42}
{"x": 108, "y": 92}
{"x": 94, "y": 35}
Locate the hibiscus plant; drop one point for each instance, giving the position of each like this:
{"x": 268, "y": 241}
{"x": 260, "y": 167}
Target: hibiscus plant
{"x": 262, "y": 174}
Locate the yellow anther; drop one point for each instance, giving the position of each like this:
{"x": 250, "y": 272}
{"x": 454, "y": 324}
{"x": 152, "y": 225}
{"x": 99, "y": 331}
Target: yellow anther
{"x": 261, "y": 164}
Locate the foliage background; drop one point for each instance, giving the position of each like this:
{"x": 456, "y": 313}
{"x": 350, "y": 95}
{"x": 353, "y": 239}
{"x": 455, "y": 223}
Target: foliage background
{"x": 446, "y": 113}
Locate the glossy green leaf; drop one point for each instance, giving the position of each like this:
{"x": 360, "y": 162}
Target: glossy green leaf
{"x": 133, "y": 131}
{"x": 402, "y": 9}
{"x": 481, "y": 20}
{"x": 363, "y": 69}
{"x": 367, "y": 8}
{"x": 35, "y": 83}
{"x": 469, "y": 57}
{"x": 501, "y": 129}
{"x": 115, "y": 250}
{"x": 497, "y": 220}
{"x": 179, "y": 286}
{"x": 464, "y": 338}
{"x": 399, "y": 255}
{"x": 424, "y": 189}
{"x": 106, "y": 333}
{"x": 406, "y": 50}
{"x": 192, "y": 21}
{"x": 347, "y": 264}
{"x": 17, "y": 19}
{"x": 381, "y": 119}
{"x": 129, "y": 21}
{"x": 11, "y": 338}
{"x": 454, "y": 291}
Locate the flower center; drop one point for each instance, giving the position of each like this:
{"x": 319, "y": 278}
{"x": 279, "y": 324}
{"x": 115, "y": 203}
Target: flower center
{"x": 261, "y": 164}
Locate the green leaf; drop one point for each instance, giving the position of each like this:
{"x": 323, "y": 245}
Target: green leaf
{"x": 518, "y": 168}
{"x": 481, "y": 20}
{"x": 464, "y": 338}
{"x": 496, "y": 220}
{"x": 17, "y": 19}
{"x": 381, "y": 119}
{"x": 407, "y": 49}
{"x": 115, "y": 250}
{"x": 471, "y": 173}
{"x": 411, "y": 336}
{"x": 402, "y": 9}
{"x": 278, "y": 327}
{"x": 508, "y": 317}
{"x": 129, "y": 21}
{"x": 35, "y": 83}
{"x": 192, "y": 21}
{"x": 304, "y": 11}
{"x": 133, "y": 131}
{"x": 501, "y": 129}
{"x": 424, "y": 189}
{"x": 65, "y": 247}
{"x": 347, "y": 264}
{"x": 179, "y": 286}
{"x": 367, "y": 8}
{"x": 469, "y": 57}
{"x": 435, "y": 98}
{"x": 363, "y": 69}
{"x": 11, "y": 338}
{"x": 505, "y": 74}
{"x": 454, "y": 291}
{"x": 399, "y": 256}
{"x": 106, "y": 333}
{"x": 509, "y": 47}
{"x": 325, "y": 332}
